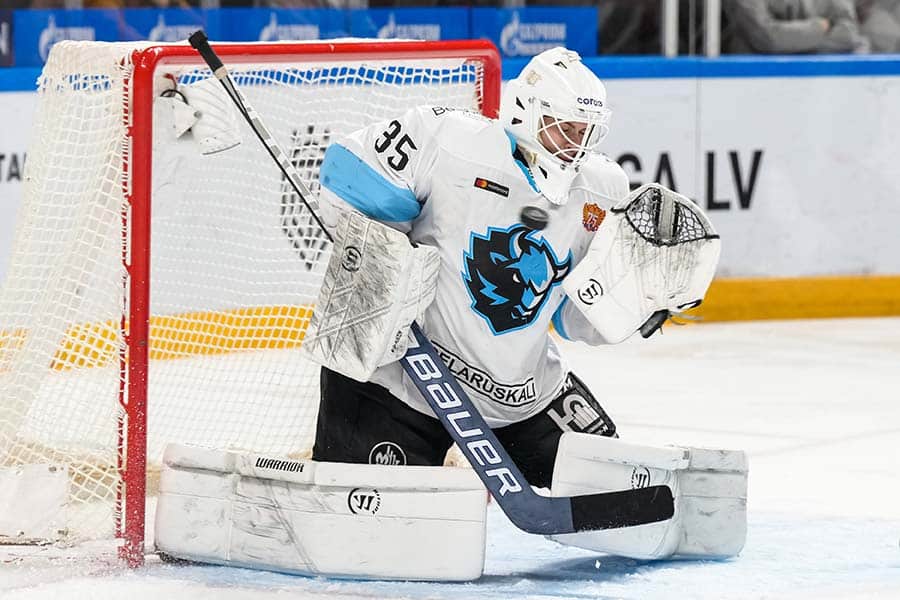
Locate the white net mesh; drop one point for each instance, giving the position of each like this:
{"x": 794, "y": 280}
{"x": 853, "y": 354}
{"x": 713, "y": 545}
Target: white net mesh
{"x": 235, "y": 264}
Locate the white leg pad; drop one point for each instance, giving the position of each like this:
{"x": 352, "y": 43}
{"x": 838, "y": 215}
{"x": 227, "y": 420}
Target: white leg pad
{"x": 709, "y": 486}
{"x": 33, "y": 503}
{"x": 318, "y": 518}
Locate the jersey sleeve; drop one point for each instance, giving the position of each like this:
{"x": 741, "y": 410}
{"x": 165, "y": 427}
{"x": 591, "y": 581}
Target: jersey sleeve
{"x": 606, "y": 184}
{"x": 571, "y": 325}
{"x": 383, "y": 170}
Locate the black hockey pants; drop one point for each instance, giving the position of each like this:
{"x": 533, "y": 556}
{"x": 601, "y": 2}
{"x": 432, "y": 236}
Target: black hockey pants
{"x": 364, "y": 423}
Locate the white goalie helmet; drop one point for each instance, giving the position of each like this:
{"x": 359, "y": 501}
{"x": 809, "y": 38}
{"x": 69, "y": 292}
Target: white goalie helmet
{"x": 554, "y": 89}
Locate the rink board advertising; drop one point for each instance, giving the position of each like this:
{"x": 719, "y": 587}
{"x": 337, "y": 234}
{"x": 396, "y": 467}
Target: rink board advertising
{"x": 516, "y": 32}
{"x": 794, "y": 187}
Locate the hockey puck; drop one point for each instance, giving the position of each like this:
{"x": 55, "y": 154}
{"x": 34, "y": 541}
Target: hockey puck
{"x": 534, "y": 217}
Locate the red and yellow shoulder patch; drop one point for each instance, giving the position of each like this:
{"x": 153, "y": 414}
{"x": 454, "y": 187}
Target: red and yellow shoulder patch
{"x": 592, "y": 216}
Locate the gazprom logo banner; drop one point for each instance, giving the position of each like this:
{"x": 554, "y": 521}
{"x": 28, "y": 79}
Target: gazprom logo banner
{"x": 530, "y": 31}
{"x": 168, "y": 25}
{"x": 282, "y": 24}
{"x": 37, "y": 31}
{"x": 411, "y": 23}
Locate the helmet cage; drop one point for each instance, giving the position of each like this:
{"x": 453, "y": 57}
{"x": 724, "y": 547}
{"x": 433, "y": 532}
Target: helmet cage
{"x": 549, "y": 119}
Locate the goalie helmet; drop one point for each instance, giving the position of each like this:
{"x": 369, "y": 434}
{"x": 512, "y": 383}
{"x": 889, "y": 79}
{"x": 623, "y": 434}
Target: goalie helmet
{"x": 555, "y": 89}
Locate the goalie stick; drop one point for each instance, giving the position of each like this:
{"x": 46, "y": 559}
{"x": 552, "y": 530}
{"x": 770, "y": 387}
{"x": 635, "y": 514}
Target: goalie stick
{"x": 529, "y": 511}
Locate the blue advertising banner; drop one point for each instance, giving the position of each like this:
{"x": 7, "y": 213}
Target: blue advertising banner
{"x": 530, "y": 31}
{"x": 450, "y": 23}
{"x": 37, "y": 30}
{"x": 6, "y": 38}
{"x": 517, "y": 32}
{"x": 281, "y": 24}
{"x": 167, "y": 25}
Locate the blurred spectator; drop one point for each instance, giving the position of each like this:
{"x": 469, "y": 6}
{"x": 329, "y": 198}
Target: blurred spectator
{"x": 74, "y": 4}
{"x": 317, "y": 3}
{"x": 635, "y": 26}
{"x": 629, "y": 26}
{"x": 167, "y": 3}
{"x": 623, "y": 26}
{"x": 880, "y": 22}
{"x": 794, "y": 26}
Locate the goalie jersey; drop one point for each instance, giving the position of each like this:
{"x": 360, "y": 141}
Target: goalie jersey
{"x": 449, "y": 179}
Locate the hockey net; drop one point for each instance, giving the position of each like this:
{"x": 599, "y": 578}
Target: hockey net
{"x": 155, "y": 294}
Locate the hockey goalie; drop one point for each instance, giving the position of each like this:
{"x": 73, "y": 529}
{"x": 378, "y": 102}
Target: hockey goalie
{"x": 488, "y": 234}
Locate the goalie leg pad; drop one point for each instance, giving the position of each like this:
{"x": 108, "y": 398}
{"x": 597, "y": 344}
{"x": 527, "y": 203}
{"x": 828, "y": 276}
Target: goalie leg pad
{"x": 709, "y": 486}
{"x": 33, "y": 502}
{"x": 318, "y": 518}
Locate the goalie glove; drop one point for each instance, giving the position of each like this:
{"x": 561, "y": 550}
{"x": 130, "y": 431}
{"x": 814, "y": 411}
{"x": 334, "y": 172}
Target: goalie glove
{"x": 655, "y": 254}
{"x": 216, "y": 126}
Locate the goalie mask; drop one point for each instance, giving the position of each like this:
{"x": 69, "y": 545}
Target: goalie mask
{"x": 556, "y": 111}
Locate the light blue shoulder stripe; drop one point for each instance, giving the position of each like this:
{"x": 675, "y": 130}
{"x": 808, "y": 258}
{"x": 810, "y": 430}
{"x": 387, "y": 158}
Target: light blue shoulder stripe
{"x": 523, "y": 168}
{"x": 364, "y": 188}
{"x": 557, "y": 321}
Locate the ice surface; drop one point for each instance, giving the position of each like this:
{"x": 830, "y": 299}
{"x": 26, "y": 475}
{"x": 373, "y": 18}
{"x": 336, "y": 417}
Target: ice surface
{"x": 814, "y": 403}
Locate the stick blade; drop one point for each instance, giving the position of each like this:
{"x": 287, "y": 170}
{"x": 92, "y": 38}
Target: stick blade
{"x": 611, "y": 510}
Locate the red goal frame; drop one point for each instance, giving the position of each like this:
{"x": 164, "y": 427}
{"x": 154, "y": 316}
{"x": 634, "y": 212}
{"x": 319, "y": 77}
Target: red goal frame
{"x": 135, "y": 324}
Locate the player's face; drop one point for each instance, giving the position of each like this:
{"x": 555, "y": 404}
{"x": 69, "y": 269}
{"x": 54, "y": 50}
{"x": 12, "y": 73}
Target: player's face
{"x": 563, "y": 138}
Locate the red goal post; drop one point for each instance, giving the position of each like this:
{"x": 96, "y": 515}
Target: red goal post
{"x": 155, "y": 294}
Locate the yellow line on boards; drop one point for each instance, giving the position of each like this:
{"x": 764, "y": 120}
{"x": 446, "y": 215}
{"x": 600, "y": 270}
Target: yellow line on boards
{"x": 801, "y": 298}
{"x": 275, "y": 327}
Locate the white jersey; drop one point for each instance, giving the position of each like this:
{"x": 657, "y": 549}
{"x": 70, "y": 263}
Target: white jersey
{"x": 448, "y": 178}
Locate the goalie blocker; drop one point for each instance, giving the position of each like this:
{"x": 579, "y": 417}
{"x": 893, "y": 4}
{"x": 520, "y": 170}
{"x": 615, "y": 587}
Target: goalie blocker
{"x": 376, "y": 284}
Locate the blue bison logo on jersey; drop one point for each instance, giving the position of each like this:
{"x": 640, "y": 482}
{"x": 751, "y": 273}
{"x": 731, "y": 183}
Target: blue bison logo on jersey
{"x": 509, "y": 274}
